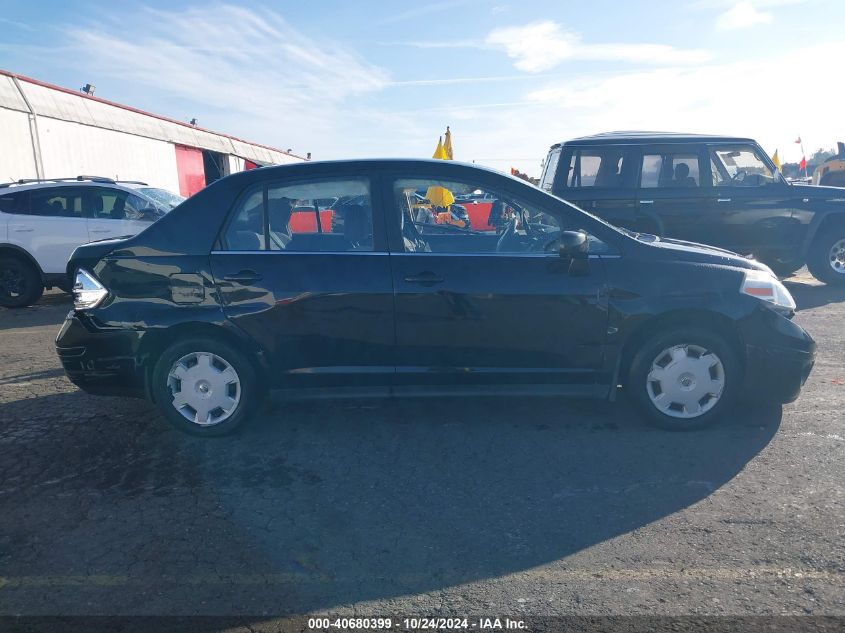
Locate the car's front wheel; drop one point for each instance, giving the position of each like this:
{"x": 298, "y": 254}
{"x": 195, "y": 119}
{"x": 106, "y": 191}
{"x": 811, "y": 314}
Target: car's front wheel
{"x": 826, "y": 259}
{"x": 206, "y": 387}
{"x": 684, "y": 378}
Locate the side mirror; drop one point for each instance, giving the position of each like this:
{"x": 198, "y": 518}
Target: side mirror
{"x": 573, "y": 244}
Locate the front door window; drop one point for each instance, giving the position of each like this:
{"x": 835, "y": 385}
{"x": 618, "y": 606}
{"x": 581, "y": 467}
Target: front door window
{"x": 450, "y": 216}
{"x": 739, "y": 166}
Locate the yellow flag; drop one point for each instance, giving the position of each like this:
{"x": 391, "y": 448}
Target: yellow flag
{"x": 776, "y": 160}
{"x": 440, "y": 152}
{"x": 440, "y": 196}
{"x": 447, "y": 145}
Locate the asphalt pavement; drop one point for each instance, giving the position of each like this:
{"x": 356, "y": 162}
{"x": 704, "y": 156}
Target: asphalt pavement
{"x": 437, "y": 506}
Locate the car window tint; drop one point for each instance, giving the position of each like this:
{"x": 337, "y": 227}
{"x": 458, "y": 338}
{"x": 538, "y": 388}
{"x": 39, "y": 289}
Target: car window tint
{"x": 669, "y": 170}
{"x": 319, "y": 216}
{"x": 12, "y": 202}
{"x": 550, "y": 170}
{"x": 105, "y": 204}
{"x": 739, "y": 166}
{"x": 448, "y": 216}
{"x": 604, "y": 168}
{"x": 246, "y": 229}
{"x": 64, "y": 202}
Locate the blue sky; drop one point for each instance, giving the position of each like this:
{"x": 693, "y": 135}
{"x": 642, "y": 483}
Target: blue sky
{"x": 344, "y": 79}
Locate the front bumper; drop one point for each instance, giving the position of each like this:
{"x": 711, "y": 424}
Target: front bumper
{"x": 779, "y": 357}
{"x": 100, "y": 361}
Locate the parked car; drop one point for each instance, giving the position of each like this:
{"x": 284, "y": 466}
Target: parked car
{"x": 832, "y": 171}
{"x": 219, "y": 301}
{"x": 42, "y": 221}
{"x": 162, "y": 197}
{"x": 717, "y": 190}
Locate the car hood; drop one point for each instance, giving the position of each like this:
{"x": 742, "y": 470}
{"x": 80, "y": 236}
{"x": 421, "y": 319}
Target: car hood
{"x": 703, "y": 254}
{"x": 826, "y": 194}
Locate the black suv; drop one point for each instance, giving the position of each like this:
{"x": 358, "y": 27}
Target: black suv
{"x": 224, "y": 298}
{"x": 717, "y": 190}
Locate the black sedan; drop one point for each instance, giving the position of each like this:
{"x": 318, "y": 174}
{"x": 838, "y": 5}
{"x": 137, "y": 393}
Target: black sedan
{"x": 222, "y": 300}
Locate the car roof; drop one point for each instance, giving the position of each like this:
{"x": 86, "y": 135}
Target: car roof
{"x": 644, "y": 137}
{"x": 364, "y": 164}
{"x": 24, "y": 185}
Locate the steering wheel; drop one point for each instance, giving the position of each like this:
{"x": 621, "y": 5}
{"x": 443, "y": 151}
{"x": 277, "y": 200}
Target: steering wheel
{"x": 739, "y": 176}
{"x": 509, "y": 238}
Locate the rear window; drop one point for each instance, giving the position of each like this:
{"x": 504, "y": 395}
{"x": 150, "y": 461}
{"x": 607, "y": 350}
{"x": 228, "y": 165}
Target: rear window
{"x": 12, "y": 202}
{"x": 547, "y": 180}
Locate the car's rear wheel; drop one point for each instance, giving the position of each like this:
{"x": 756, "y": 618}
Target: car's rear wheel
{"x": 826, "y": 259}
{"x": 205, "y": 387}
{"x": 684, "y": 379}
{"x": 20, "y": 283}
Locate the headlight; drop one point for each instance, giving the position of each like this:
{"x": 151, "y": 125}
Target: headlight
{"x": 87, "y": 291}
{"x": 761, "y": 285}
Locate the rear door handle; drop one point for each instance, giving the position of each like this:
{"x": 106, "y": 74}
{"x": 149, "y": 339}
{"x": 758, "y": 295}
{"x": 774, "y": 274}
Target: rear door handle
{"x": 101, "y": 231}
{"x": 646, "y": 201}
{"x": 723, "y": 199}
{"x": 244, "y": 276}
{"x": 23, "y": 230}
{"x": 426, "y": 278}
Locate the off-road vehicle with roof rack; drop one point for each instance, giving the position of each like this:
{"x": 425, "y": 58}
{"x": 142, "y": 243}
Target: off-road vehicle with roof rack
{"x": 717, "y": 190}
{"x": 43, "y": 220}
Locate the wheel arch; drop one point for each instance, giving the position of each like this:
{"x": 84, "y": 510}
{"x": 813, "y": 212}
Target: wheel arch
{"x": 826, "y": 221}
{"x": 16, "y": 251}
{"x": 708, "y": 320}
{"x": 155, "y": 341}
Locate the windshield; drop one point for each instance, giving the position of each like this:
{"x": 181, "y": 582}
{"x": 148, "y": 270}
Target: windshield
{"x": 739, "y": 165}
{"x": 162, "y": 196}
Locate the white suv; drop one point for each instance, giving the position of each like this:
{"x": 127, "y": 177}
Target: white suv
{"x": 41, "y": 222}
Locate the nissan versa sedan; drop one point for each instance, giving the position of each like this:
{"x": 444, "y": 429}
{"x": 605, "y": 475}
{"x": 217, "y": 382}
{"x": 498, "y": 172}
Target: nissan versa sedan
{"x": 222, "y": 300}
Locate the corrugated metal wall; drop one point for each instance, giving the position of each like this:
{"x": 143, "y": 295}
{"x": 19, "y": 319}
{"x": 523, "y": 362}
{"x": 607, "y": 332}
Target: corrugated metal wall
{"x": 71, "y": 134}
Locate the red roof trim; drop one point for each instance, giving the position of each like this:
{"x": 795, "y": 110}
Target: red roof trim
{"x": 137, "y": 111}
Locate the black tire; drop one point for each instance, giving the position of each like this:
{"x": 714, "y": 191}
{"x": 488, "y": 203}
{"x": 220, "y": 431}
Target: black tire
{"x": 20, "y": 282}
{"x": 819, "y": 259}
{"x": 250, "y": 392}
{"x": 639, "y": 387}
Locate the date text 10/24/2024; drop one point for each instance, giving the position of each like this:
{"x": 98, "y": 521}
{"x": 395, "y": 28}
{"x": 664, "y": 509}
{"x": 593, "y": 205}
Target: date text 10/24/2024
{"x": 415, "y": 623}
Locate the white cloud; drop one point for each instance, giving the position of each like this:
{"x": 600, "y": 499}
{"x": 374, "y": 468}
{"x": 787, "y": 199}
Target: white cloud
{"x": 249, "y": 68}
{"x": 543, "y": 45}
{"x": 714, "y": 98}
{"x": 742, "y": 15}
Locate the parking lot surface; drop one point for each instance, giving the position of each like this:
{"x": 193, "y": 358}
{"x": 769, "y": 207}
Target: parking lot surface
{"x": 439, "y": 506}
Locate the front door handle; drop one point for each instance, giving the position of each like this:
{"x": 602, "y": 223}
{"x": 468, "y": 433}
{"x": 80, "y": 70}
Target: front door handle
{"x": 23, "y": 230}
{"x": 723, "y": 199}
{"x": 426, "y": 278}
{"x": 101, "y": 231}
{"x": 243, "y": 277}
{"x": 646, "y": 201}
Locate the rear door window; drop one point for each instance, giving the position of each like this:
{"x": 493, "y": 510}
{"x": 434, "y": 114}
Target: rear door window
{"x": 316, "y": 216}
{"x": 600, "y": 168}
{"x": 670, "y": 170}
{"x": 59, "y": 202}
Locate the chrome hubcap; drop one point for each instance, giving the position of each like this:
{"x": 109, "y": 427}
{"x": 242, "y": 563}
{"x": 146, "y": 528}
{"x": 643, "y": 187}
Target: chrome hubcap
{"x": 206, "y": 389}
{"x": 837, "y": 257}
{"x": 685, "y": 381}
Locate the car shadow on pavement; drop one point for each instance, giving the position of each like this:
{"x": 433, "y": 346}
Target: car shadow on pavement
{"x": 321, "y": 504}
{"x": 809, "y": 296}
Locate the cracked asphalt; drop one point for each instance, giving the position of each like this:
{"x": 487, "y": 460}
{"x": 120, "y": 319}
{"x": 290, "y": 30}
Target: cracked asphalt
{"x": 426, "y": 507}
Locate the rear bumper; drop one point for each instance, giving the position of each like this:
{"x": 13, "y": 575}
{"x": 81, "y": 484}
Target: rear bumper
{"x": 779, "y": 357}
{"x": 100, "y": 361}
